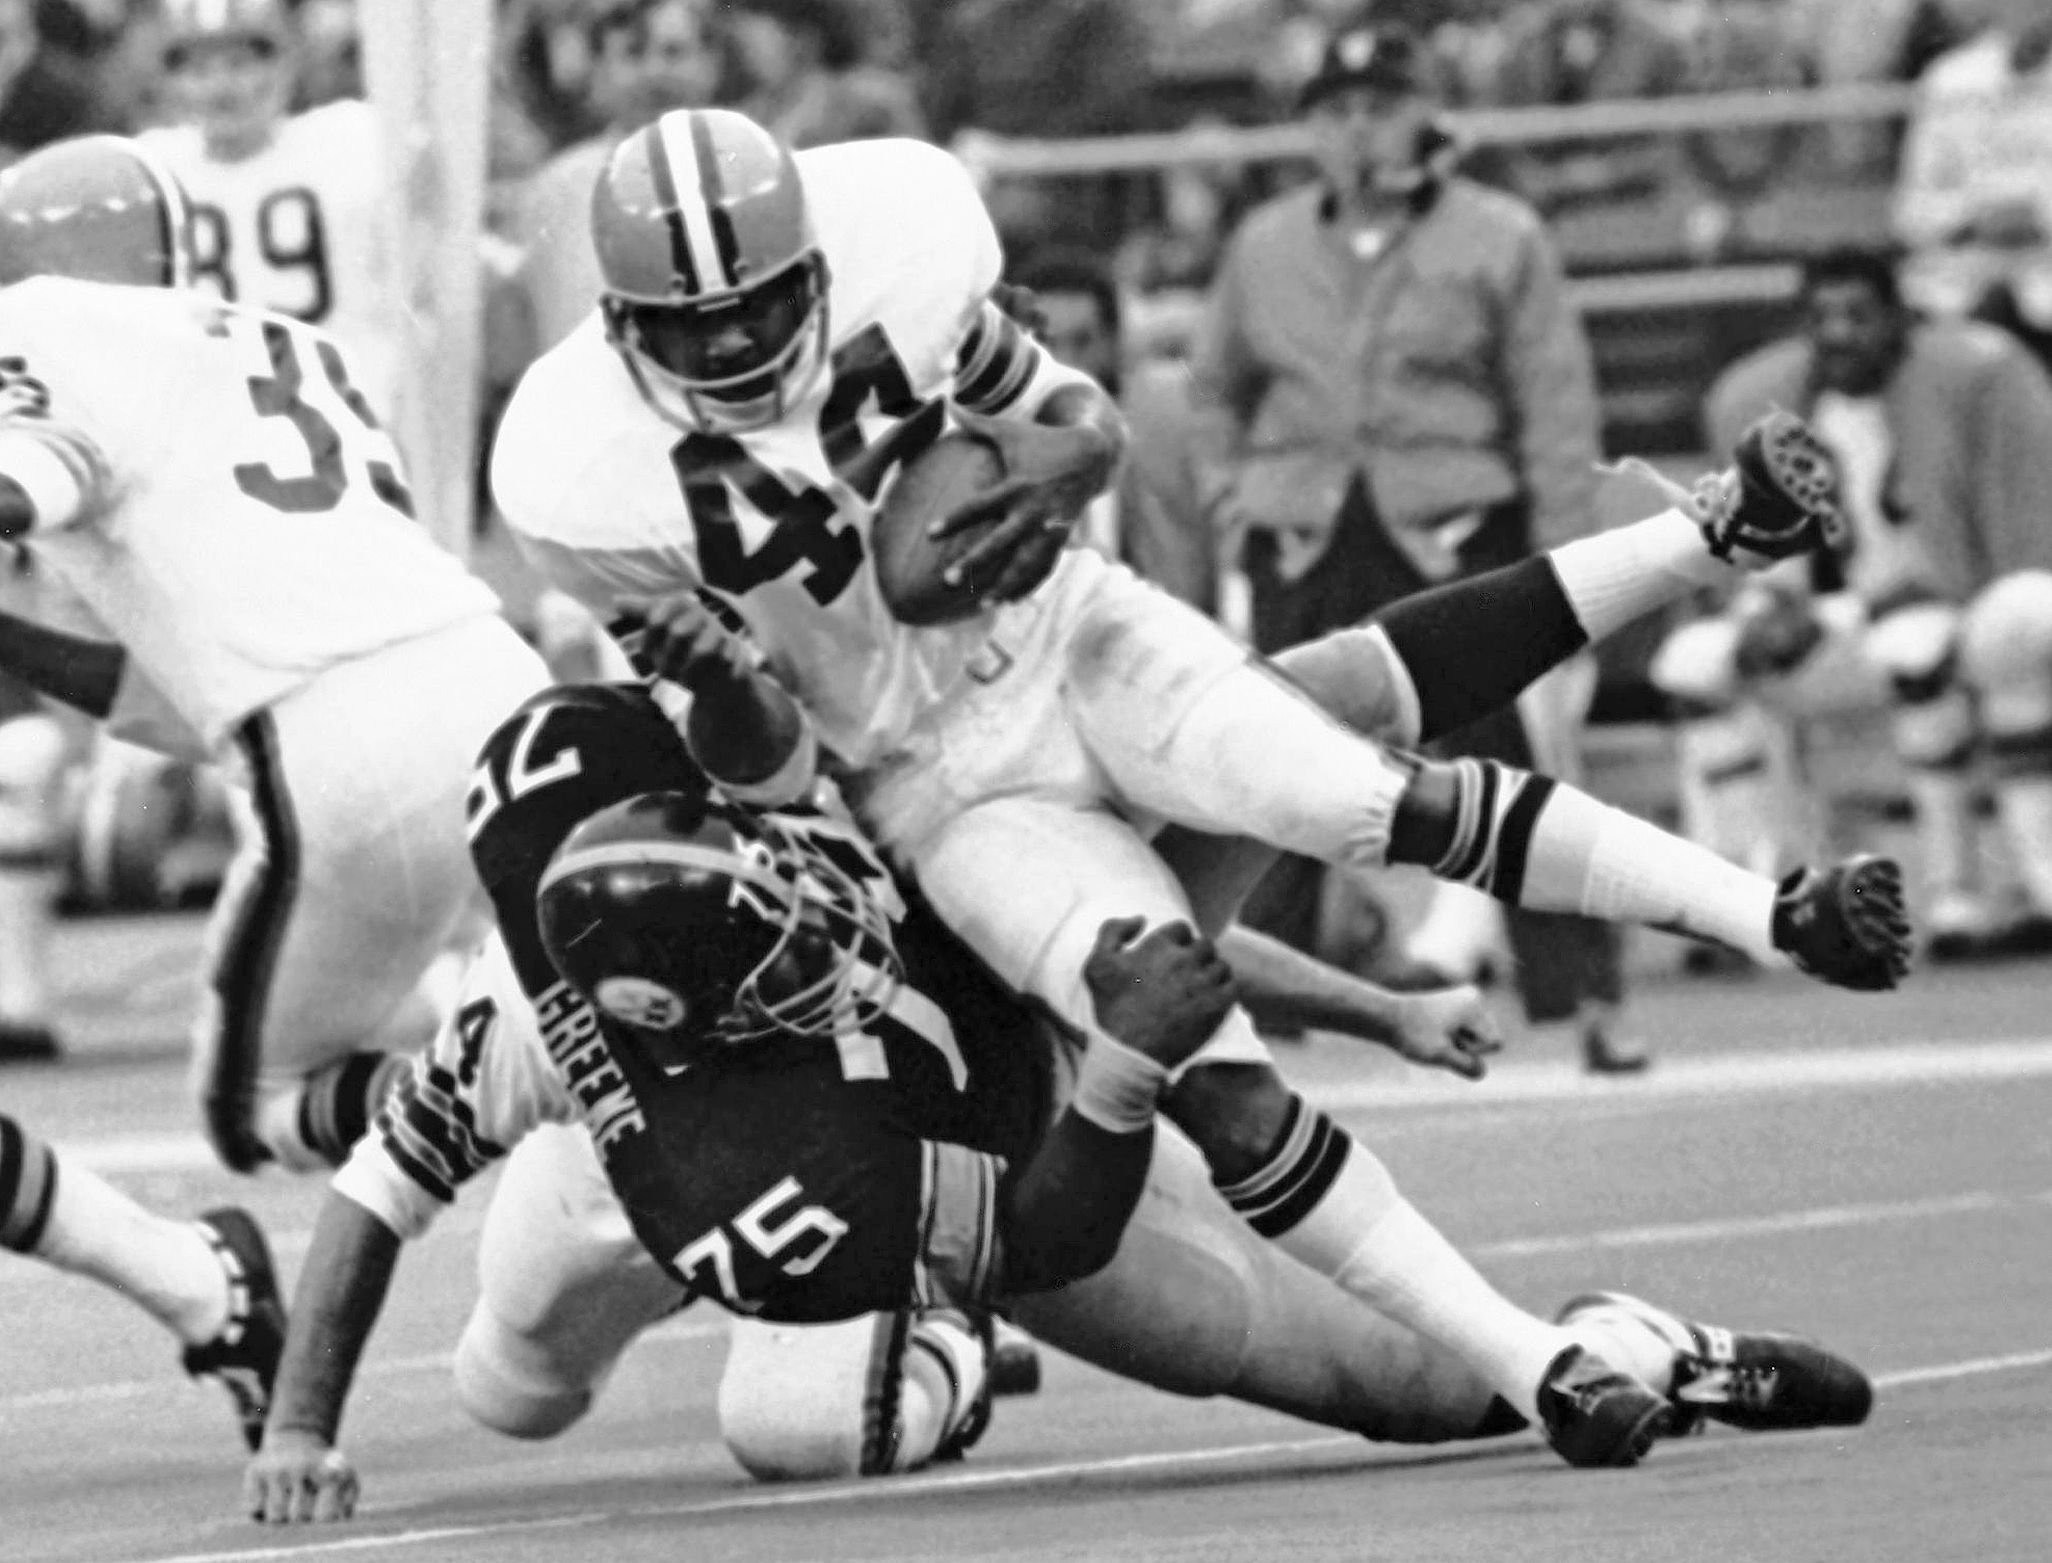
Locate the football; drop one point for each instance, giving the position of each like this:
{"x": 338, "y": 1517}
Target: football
{"x": 909, "y": 564}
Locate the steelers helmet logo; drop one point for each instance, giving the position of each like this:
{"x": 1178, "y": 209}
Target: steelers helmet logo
{"x": 635, "y": 1001}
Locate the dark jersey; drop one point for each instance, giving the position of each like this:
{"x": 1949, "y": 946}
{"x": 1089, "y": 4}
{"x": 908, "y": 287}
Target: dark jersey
{"x": 803, "y": 1180}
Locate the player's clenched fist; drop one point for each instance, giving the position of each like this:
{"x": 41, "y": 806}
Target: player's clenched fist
{"x": 297, "y": 1478}
{"x": 1162, "y": 995}
{"x": 682, "y": 641}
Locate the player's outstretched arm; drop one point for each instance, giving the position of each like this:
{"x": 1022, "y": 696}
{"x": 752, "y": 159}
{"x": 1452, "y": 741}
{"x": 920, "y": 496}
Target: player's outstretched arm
{"x": 744, "y": 730}
{"x": 1162, "y": 996}
{"x": 299, "y": 1475}
{"x": 1450, "y": 1028}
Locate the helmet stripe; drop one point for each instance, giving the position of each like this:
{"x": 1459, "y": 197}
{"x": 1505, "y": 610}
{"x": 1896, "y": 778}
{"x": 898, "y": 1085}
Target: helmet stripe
{"x": 714, "y": 190}
{"x": 172, "y": 212}
{"x": 684, "y": 854}
{"x": 664, "y": 178}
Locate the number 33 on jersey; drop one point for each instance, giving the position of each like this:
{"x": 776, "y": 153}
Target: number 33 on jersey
{"x": 244, "y": 521}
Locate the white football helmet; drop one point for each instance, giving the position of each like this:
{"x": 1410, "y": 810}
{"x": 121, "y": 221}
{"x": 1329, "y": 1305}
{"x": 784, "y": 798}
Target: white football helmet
{"x": 715, "y": 287}
{"x": 99, "y": 208}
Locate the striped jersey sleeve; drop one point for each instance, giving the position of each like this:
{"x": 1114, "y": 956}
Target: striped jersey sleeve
{"x": 59, "y": 465}
{"x": 468, "y": 1100}
{"x": 996, "y": 362}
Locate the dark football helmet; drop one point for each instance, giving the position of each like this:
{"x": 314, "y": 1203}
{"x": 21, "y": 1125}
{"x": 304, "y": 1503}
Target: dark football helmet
{"x": 695, "y": 922}
{"x": 715, "y": 287}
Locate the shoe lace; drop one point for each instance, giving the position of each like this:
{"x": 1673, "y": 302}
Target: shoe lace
{"x": 1745, "y": 1386}
{"x": 1707, "y": 501}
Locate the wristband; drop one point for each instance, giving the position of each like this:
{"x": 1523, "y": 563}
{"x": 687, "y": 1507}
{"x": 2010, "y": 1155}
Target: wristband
{"x": 1116, "y": 1088}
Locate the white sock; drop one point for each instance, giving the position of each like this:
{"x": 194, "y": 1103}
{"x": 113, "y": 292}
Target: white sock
{"x": 1621, "y": 575}
{"x": 1947, "y": 833}
{"x": 1625, "y": 1340}
{"x": 1599, "y": 861}
{"x": 944, "y": 1369}
{"x": 166, "y": 1267}
{"x": 28, "y": 895}
{"x": 2024, "y": 804}
{"x": 1375, "y": 1245}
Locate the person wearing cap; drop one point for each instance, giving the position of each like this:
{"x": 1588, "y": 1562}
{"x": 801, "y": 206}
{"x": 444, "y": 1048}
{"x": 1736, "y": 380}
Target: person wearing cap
{"x": 1398, "y": 394}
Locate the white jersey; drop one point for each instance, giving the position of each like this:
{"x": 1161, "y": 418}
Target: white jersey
{"x": 472, "y": 1096}
{"x": 243, "y": 523}
{"x": 610, "y": 500}
{"x": 302, "y": 228}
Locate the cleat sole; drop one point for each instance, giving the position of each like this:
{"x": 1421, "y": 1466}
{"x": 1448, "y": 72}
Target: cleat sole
{"x": 1870, "y": 902}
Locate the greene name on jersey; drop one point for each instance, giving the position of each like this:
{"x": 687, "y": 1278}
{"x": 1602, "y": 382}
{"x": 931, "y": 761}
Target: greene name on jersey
{"x": 801, "y": 1180}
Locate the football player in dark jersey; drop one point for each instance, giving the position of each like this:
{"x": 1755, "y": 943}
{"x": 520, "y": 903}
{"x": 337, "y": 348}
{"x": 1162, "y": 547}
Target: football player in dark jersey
{"x": 813, "y": 1106}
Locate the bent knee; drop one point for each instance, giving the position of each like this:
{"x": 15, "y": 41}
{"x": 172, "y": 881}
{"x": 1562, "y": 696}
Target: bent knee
{"x": 506, "y": 1383}
{"x": 811, "y": 1402}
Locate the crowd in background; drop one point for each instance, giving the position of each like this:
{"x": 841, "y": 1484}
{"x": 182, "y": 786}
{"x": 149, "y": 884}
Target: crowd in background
{"x": 1131, "y": 265}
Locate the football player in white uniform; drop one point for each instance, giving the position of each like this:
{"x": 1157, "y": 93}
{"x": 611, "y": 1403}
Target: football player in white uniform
{"x": 208, "y": 482}
{"x": 286, "y": 209}
{"x": 778, "y": 334}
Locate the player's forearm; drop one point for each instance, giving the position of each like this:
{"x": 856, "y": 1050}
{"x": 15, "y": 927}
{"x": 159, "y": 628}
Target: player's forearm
{"x": 342, "y": 1288}
{"x": 1082, "y": 403}
{"x": 1070, "y": 1204}
{"x": 1288, "y": 990}
{"x": 751, "y": 737}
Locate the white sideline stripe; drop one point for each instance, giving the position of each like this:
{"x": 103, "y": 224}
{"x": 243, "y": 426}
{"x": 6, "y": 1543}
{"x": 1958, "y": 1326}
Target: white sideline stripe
{"x": 902, "y": 1487}
{"x": 1671, "y": 1233}
{"x": 1819, "y": 1219}
{"x": 1677, "y": 1079}
{"x": 1729, "y": 1074}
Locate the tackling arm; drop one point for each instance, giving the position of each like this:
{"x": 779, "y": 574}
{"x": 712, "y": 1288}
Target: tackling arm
{"x": 1162, "y": 995}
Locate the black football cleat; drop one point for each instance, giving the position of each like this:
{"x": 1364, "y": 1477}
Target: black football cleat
{"x": 1595, "y": 1415}
{"x": 244, "y": 1356}
{"x": 1014, "y": 1359}
{"x": 1763, "y": 1383}
{"x": 1778, "y": 498}
{"x": 1846, "y": 924}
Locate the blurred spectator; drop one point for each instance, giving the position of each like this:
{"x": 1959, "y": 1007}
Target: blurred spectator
{"x": 547, "y": 65}
{"x": 1180, "y": 248}
{"x": 648, "y": 56}
{"x": 1740, "y": 46}
{"x": 1860, "y": 41}
{"x": 1943, "y": 433}
{"x": 1401, "y": 395}
{"x": 43, "y": 95}
{"x": 1976, "y": 188}
{"x": 1036, "y": 68}
{"x": 333, "y": 64}
{"x": 1562, "y": 52}
{"x": 803, "y": 76}
{"x": 1151, "y": 518}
